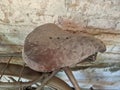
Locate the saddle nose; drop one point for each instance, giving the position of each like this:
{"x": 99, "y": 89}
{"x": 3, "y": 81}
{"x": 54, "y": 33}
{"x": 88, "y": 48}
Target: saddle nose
{"x": 48, "y": 47}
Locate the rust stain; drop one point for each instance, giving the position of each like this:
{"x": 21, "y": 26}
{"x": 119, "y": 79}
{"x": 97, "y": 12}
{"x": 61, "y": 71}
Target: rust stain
{"x": 10, "y": 1}
{"x": 72, "y": 4}
{"x": 46, "y": 58}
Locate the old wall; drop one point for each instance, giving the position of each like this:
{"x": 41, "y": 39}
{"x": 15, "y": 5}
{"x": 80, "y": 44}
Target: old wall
{"x": 100, "y": 17}
{"x": 19, "y": 17}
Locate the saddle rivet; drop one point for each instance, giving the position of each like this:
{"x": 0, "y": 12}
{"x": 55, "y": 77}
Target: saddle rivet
{"x": 50, "y": 37}
{"x": 58, "y": 37}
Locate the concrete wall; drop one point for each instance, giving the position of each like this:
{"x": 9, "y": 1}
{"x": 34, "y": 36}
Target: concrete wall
{"x": 19, "y": 17}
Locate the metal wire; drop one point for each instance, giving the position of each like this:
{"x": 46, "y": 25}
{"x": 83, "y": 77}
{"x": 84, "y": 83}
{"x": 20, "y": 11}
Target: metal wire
{"x": 3, "y": 70}
{"x": 20, "y": 76}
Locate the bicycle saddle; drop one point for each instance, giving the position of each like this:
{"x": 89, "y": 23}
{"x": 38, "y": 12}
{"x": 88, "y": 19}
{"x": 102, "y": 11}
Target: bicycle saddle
{"x": 48, "y": 47}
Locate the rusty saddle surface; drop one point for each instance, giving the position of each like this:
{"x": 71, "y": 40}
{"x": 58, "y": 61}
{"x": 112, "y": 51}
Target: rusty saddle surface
{"x": 48, "y": 47}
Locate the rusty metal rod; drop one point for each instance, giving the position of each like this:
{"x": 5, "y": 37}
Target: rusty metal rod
{"x": 44, "y": 82}
{"x": 5, "y": 67}
{"x": 71, "y": 77}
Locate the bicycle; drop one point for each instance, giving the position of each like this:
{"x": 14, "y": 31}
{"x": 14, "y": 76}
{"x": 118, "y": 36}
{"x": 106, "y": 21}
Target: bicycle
{"x": 49, "y": 61}
{"x": 21, "y": 77}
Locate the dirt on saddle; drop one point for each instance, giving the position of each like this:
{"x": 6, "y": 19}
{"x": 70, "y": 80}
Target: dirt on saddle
{"x": 48, "y": 47}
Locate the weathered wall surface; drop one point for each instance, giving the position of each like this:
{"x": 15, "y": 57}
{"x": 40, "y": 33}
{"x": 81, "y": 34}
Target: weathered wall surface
{"x": 19, "y": 17}
{"x": 100, "y": 17}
